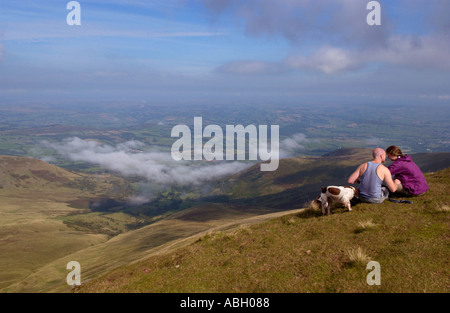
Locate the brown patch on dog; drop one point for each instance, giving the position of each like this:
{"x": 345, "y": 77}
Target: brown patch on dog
{"x": 334, "y": 191}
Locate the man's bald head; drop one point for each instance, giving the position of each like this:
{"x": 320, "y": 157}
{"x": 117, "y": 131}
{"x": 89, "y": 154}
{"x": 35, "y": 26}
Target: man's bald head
{"x": 379, "y": 154}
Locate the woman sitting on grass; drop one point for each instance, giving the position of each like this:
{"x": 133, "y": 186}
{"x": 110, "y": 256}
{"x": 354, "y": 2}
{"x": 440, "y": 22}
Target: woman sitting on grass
{"x": 407, "y": 175}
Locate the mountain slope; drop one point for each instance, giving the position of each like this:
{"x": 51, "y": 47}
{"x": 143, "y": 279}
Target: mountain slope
{"x": 174, "y": 231}
{"x": 34, "y": 198}
{"x": 308, "y": 252}
{"x": 20, "y": 172}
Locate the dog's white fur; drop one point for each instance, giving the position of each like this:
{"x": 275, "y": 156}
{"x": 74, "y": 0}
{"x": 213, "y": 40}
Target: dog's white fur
{"x": 336, "y": 194}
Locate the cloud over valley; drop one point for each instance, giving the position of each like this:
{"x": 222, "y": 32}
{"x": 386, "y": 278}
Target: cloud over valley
{"x": 132, "y": 159}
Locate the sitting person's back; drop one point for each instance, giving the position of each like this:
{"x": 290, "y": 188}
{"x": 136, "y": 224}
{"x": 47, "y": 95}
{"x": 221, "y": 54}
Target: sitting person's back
{"x": 408, "y": 177}
{"x": 370, "y": 186}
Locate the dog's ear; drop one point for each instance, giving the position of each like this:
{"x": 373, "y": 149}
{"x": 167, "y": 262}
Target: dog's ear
{"x": 324, "y": 190}
{"x": 357, "y": 193}
{"x": 318, "y": 197}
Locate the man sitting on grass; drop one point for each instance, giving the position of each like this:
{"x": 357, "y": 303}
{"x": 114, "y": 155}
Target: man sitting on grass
{"x": 370, "y": 176}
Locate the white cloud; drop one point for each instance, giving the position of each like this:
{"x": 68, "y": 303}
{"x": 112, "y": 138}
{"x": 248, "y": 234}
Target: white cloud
{"x": 328, "y": 60}
{"x": 420, "y": 52}
{"x": 155, "y": 167}
{"x": 415, "y": 52}
{"x": 335, "y": 38}
{"x": 293, "y": 145}
{"x": 132, "y": 159}
{"x": 303, "y": 21}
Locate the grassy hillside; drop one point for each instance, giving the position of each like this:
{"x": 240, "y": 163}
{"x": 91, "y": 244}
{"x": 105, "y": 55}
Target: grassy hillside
{"x": 35, "y": 197}
{"x": 308, "y": 252}
{"x": 21, "y": 173}
{"x": 174, "y": 231}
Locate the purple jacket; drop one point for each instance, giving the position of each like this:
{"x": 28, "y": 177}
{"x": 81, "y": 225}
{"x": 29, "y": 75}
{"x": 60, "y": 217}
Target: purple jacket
{"x": 405, "y": 170}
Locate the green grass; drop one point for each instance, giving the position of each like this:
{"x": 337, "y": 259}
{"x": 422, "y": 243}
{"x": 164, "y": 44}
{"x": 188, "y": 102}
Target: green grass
{"x": 308, "y": 252}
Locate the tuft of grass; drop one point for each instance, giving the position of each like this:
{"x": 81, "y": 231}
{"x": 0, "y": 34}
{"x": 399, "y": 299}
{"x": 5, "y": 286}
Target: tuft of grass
{"x": 290, "y": 220}
{"x": 357, "y": 256}
{"x": 443, "y": 208}
{"x": 364, "y": 225}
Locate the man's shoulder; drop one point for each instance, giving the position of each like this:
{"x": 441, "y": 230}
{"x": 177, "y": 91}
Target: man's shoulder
{"x": 364, "y": 165}
{"x": 362, "y": 168}
{"x": 382, "y": 169}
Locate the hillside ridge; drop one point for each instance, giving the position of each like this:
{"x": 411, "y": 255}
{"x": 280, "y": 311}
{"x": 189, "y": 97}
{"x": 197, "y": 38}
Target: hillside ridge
{"x": 25, "y": 172}
{"x": 294, "y": 252}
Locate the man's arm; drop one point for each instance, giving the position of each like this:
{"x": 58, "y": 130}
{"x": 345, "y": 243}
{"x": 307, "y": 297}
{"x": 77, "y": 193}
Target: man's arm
{"x": 387, "y": 178}
{"x": 356, "y": 174}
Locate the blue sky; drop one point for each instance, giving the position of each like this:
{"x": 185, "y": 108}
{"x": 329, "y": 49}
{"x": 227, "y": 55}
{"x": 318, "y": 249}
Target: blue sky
{"x": 225, "y": 50}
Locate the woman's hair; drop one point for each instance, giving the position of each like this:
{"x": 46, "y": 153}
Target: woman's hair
{"x": 394, "y": 151}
